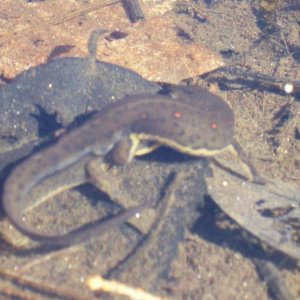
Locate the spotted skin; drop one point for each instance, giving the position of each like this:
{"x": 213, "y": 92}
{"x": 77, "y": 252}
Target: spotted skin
{"x": 190, "y": 120}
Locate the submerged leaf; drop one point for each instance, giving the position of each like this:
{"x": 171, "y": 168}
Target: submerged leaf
{"x": 271, "y": 212}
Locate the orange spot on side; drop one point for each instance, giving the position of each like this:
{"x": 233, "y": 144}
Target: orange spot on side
{"x": 178, "y": 115}
{"x": 214, "y": 125}
{"x": 144, "y": 116}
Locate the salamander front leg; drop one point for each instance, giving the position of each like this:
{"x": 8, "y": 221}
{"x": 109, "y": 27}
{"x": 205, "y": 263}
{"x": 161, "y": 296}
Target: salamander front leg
{"x": 128, "y": 147}
{"x": 248, "y": 167}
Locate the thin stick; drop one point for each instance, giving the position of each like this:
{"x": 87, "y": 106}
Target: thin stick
{"x": 42, "y": 287}
{"x": 98, "y": 284}
{"x": 56, "y": 20}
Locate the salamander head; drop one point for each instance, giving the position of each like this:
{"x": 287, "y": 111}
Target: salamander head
{"x": 207, "y": 125}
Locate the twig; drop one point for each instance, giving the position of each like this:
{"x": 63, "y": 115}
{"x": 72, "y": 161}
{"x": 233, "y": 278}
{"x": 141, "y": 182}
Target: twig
{"x": 43, "y": 287}
{"x": 56, "y": 20}
{"x": 98, "y": 284}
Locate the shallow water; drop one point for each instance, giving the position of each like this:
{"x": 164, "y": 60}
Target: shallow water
{"x": 214, "y": 260}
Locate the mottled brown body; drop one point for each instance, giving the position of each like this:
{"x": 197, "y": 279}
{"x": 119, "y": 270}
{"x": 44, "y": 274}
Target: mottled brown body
{"x": 190, "y": 120}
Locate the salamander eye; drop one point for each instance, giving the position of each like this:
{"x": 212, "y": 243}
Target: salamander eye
{"x": 214, "y": 125}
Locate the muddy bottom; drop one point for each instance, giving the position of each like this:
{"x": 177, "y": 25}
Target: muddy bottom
{"x": 197, "y": 252}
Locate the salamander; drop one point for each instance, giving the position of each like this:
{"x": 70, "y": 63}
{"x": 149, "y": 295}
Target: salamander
{"x": 190, "y": 120}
